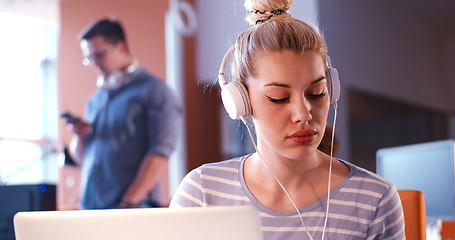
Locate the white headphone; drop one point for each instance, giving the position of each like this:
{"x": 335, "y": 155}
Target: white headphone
{"x": 235, "y": 95}
{"x": 116, "y": 78}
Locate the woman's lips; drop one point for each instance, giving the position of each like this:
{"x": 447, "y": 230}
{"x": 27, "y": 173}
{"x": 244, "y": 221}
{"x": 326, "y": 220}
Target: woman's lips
{"x": 303, "y": 137}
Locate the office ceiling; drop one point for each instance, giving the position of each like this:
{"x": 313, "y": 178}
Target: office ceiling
{"x": 437, "y": 13}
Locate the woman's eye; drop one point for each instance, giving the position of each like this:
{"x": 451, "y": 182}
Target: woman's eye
{"x": 320, "y": 95}
{"x": 279, "y": 100}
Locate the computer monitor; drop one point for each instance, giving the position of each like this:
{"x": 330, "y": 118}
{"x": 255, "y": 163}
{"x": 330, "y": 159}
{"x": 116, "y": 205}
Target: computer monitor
{"x": 428, "y": 167}
{"x": 17, "y": 198}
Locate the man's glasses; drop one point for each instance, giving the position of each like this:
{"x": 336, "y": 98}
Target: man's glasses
{"x": 96, "y": 56}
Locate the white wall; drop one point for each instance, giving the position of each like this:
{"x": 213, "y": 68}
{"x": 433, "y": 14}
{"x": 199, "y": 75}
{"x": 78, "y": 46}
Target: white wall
{"x": 219, "y": 23}
{"x": 379, "y": 49}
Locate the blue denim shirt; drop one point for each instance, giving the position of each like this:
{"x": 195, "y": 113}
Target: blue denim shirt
{"x": 138, "y": 118}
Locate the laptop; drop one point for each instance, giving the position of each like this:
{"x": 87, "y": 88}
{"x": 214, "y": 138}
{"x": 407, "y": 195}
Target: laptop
{"x": 198, "y": 223}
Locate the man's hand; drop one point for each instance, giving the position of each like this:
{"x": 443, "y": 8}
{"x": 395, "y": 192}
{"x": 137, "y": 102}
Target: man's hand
{"x": 75, "y": 124}
{"x": 80, "y": 128}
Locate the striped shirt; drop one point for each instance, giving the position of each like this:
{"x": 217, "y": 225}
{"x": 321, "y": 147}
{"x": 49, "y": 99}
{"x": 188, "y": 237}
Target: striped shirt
{"x": 363, "y": 206}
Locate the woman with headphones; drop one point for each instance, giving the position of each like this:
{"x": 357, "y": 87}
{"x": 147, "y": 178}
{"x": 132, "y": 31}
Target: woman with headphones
{"x": 283, "y": 80}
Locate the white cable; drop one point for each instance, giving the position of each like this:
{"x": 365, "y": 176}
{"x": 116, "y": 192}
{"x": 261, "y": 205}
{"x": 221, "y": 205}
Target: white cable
{"x": 330, "y": 169}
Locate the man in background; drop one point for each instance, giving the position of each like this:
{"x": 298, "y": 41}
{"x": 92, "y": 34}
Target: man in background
{"x": 130, "y": 127}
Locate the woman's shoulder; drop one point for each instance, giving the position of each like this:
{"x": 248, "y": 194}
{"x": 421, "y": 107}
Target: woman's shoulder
{"x": 363, "y": 178}
{"x": 231, "y": 166}
{"x": 233, "y": 162}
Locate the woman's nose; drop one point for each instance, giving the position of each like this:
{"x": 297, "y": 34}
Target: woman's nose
{"x": 301, "y": 111}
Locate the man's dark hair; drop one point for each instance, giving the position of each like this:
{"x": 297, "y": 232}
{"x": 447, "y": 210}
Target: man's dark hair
{"x": 110, "y": 29}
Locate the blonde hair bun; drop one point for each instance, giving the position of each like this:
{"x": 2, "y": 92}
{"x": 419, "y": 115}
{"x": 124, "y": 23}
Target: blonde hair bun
{"x": 263, "y": 10}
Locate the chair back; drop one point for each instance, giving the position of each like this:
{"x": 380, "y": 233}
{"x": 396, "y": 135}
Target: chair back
{"x": 447, "y": 230}
{"x": 414, "y": 214}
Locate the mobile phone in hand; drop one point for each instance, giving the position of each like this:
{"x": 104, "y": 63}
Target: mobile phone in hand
{"x": 69, "y": 117}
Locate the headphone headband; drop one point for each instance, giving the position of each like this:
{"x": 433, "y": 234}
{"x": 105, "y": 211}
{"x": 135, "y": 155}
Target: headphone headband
{"x": 221, "y": 79}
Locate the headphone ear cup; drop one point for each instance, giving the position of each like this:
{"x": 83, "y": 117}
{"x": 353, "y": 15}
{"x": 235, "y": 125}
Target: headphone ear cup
{"x": 235, "y": 100}
{"x": 333, "y": 84}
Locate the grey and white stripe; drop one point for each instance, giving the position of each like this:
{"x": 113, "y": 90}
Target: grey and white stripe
{"x": 363, "y": 206}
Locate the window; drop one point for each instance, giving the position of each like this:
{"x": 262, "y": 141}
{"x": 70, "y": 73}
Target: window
{"x": 28, "y": 99}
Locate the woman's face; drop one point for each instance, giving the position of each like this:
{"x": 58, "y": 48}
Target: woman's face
{"x": 290, "y": 103}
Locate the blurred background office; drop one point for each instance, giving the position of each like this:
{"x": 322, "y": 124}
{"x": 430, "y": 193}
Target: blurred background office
{"x": 395, "y": 59}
